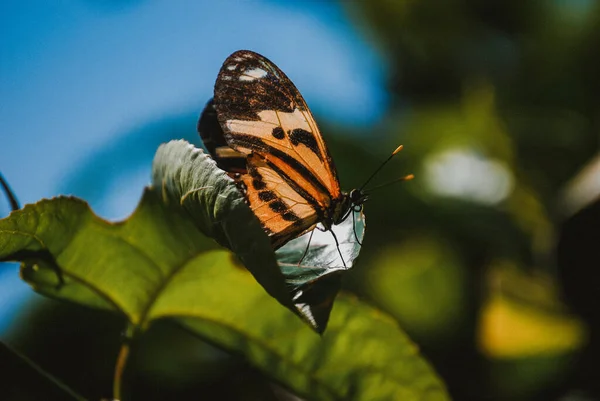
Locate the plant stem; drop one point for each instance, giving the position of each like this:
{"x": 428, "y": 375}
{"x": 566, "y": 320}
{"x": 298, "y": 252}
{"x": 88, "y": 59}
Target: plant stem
{"x": 120, "y": 369}
{"x": 12, "y": 199}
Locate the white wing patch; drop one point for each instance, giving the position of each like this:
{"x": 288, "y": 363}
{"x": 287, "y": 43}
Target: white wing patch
{"x": 269, "y": 119}
{"x": 255, "y": 128}
{"x": 251, "y": 75}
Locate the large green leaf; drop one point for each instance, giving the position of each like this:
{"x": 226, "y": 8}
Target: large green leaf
{"x": 159, "y": 264}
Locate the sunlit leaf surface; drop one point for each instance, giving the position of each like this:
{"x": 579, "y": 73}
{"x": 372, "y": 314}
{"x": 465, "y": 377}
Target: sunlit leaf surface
{"x": 159, "y": 264}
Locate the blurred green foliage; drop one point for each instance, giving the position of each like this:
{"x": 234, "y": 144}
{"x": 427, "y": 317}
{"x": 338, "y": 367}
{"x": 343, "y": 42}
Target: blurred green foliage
{"x": 479, "y": 258}
{"x": 505, "y": 95}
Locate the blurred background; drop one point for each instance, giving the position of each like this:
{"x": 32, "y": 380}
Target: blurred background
{"x": 489, "y": 259}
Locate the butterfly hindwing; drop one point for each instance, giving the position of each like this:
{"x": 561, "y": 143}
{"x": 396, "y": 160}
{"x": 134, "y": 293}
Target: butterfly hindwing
{"x": 284, "y": 213}
{"x": 213, "y": 138}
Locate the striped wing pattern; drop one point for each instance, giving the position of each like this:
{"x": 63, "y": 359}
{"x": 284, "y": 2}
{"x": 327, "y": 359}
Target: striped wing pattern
{"x": 291, "y": 182}
{"x": 283, "y": 212}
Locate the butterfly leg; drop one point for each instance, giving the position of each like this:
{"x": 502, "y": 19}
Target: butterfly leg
{"x": 354, "y": 225}
{"x": 307, "y": 246}
{"x": 337, "y": 244}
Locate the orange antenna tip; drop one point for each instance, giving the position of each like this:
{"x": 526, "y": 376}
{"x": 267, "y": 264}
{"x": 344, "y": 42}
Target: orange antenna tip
{"x": 398, "y": 149}
{"x": 409, "y": 177}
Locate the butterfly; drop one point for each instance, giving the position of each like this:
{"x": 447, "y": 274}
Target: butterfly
{"x": 259, "y": 129}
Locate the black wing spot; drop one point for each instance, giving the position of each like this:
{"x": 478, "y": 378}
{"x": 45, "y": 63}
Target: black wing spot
{"x": 267, "y": 196}
{"x": 278, "y": 206}
{"x": 258, "y": 184}
{"x": 278, "y": 132}
{"x": 301, "y": 136}
{"x": 290, "y": 216}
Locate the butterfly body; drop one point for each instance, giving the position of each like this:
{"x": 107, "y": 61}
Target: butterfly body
{"x": 269, "y": 142}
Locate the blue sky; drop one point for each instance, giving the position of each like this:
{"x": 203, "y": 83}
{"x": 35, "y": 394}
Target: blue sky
{"x": 77, "y": 76}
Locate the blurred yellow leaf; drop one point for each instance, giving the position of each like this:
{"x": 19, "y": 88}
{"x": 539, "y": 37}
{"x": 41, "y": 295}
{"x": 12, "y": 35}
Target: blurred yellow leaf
{"x": 523, "y": 318}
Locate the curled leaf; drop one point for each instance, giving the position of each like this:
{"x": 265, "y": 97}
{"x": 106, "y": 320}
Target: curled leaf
{"x": 312, "y": 264}
{"x": 185, "y": 176}
{"x": 313, "y": 267}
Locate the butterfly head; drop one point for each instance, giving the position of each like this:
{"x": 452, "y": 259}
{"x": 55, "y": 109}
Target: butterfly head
{"x": 357, "y": 197}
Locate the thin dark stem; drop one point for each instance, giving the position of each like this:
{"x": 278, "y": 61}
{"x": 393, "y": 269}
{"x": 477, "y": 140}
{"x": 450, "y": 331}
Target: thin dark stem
{"x": 6, "y": 352}
{"x": 12, "y": 199}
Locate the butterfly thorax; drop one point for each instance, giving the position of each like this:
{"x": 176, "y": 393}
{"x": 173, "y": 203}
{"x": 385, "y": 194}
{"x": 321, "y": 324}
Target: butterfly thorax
{"x": 342, "y": 208}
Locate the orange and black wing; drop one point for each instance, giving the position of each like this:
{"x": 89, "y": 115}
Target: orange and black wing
{"x": 291, "y": 182}
{"x": 283, "y": 212}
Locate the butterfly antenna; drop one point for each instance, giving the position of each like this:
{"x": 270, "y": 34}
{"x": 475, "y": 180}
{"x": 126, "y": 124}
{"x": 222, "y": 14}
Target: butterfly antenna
{"x": 405, "y": 178}
{"x": 398, "y": 149}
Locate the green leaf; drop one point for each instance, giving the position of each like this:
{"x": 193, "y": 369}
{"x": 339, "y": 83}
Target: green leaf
{"x": 362, "y": 356}
{"x": 158, "y": 265}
